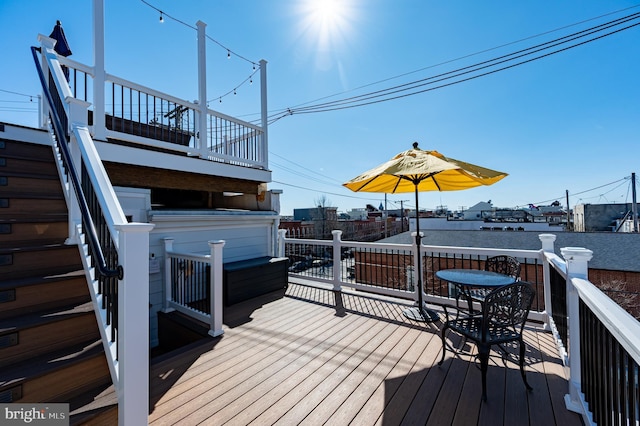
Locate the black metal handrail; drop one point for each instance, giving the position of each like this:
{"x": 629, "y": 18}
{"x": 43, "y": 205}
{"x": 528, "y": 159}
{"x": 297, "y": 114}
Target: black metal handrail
{"x": 92, "y": 236}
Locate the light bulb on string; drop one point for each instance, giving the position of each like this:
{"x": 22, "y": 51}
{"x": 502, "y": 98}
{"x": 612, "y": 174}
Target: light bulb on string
{"x": 228, "y": 54}
{"x": 250, "y": 80}
{"x": 220, "y": 99}
{"x": 161, "y": 17}
{"x": 234, "y": 91}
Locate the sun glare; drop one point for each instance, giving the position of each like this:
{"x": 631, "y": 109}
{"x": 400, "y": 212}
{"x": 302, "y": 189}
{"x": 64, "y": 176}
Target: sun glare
{"x": 327, "y": 10}
{"x": 327, "y": 21}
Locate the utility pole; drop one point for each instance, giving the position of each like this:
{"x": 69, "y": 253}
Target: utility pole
{"x": 634, "y": 206}
{"x": 384, "y": 216}
{"x": 569, "y": 227}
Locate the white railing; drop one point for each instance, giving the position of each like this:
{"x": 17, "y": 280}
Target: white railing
{"x": 602, "y": 347}
{"x": 125, "y": 333}
{"x": 148, "y": 117}
{"x": 387, "y": 269}
{"x": 194, "y": 284}
{"x": 598, "y": 341}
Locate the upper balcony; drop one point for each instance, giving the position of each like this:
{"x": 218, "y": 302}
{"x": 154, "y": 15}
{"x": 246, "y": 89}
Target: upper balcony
{"x": 147, "y": 138}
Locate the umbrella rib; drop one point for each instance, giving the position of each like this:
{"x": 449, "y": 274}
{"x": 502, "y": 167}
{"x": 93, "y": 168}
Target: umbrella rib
{"x": 396, "y": 185}
{"x": 432, "y": 176}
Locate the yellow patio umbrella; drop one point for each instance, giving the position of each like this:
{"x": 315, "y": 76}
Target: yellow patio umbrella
{"x": 417, "y": 170}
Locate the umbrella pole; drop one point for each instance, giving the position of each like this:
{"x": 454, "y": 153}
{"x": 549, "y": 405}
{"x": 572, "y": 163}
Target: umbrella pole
{"x": 419, "y": 313}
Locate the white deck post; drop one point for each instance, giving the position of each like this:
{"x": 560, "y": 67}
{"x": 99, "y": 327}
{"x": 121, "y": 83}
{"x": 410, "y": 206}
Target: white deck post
{"x": 77, "y": 115}
{"x": 45, "y": 44}
{"x": 99, "y": 129}
{"x": 201, "y": 128}
{"x": 281, "y": 242}
{"x": 168, "y": 247}
{"x": 337, "y": 251}
{"x": 133, "y": 321}
{"x": 547, "y": 247}
{"x": 264, "y": 113}
{"x": 577, "y": 267}
{"x": 216, "y": 280}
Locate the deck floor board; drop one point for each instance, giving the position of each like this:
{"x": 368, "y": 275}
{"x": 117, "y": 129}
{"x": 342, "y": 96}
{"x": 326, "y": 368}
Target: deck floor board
{"x": 312, "y": 356}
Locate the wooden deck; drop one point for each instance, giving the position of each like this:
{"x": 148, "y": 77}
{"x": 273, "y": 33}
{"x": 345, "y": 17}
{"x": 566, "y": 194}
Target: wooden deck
{"x": 307, "y": 358}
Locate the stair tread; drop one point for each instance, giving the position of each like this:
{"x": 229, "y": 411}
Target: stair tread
{"x": 37, "y": 366}
{"x": 30, "y": 195}
{"x": 31, "y": 319}
{"x": 32, "y": 245}
{"x": 29, "y": 175}
{"x": 34, "y": 217}
{"x": 90, "y": 405}
{"x": 26, "y": 150}
{"x": 70, "y": 273}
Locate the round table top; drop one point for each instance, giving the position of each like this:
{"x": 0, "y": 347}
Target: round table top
{"x": 475, "y": 277}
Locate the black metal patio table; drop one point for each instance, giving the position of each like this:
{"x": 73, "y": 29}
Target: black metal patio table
{"x": 466, "y": 280}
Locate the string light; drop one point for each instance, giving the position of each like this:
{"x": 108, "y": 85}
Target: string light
{"x": 229, "y": 51}
{"x": 234, "y": 90}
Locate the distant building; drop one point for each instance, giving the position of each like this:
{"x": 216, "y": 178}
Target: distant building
{"x": 316, "y": 213}
{"x": 603, "y": 217}
{"x": 475, "y": 212}
{"x": 358, "y": 214}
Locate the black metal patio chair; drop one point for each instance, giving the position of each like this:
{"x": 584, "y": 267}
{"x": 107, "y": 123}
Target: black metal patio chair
{"x": 502, "y": 264}
{"x": 504, "y": 312}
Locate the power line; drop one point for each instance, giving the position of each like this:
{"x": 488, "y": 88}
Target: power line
{"x": 324, "y": 192}
{"x": 305, "y": 168}
{"x": 397, "y": 92}
{"x": 467, "y": 56}
{"x": 621, "y": 181}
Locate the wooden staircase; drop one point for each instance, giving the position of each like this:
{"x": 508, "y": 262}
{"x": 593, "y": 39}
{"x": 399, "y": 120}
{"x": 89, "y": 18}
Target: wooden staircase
{"x": 50, "y": 348}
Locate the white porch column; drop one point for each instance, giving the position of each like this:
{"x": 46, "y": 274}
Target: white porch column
{"x": 45, "y": 44}
{"x": 263, "y": 113}
{"x": 281, "y": 243}
{"x": 337, "y": 251}
{"x": 216, "y": 280}
{"x": 201, "y": 128}
{"x": 133, "y": 324}
{"x": 577, "y": 259}
{"x": 99, "y": 74}
{"x": 168, "y": 247}
{"x": 77, "y": 116}
{"x": 547, "y": 247}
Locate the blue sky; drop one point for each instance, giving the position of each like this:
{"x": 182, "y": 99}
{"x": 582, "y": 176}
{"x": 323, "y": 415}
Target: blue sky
{"x": 570, "y": 121}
